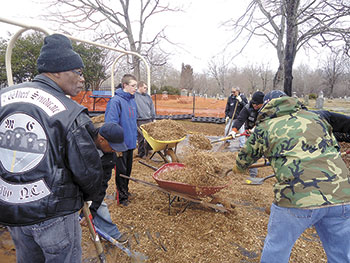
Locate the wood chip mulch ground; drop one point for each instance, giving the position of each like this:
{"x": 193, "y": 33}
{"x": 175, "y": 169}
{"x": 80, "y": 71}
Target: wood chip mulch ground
{"x": 188, "y": 232}
{"x": 193, "y": 233}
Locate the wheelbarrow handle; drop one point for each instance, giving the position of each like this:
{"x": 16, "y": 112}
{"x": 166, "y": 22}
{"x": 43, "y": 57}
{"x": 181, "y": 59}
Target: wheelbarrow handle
{"x": 148, "y": 165}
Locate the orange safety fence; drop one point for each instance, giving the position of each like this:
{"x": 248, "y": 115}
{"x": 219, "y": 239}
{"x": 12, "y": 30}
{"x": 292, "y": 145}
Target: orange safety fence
{"x": 164, "y": 104}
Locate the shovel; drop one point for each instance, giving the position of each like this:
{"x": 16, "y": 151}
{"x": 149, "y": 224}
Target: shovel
{"x": 229, "y": 137}
{"x": 256, "y": 165}
{"x": 258, "y": 181}
{"x": 93, "y": 233}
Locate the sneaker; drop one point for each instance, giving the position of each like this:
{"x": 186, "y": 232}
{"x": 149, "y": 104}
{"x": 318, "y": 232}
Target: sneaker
{"x": 122, "y": 239}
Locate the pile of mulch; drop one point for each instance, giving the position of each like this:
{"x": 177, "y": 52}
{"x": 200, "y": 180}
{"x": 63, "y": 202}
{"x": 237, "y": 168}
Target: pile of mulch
{"x": 165, "y": 130}
{"x": 98, "y": 119}
{"x": 199, "y": 141}
{"x": 191, "y": 176}
{"x": 202, "y": 168}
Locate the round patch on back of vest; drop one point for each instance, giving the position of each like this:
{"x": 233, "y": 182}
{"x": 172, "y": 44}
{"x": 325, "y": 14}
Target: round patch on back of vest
{"x": 23, "y": 142}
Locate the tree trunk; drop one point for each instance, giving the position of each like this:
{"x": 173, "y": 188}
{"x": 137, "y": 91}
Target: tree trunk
{"x": 278, "y": 78}
{"x": 291, "y": 44}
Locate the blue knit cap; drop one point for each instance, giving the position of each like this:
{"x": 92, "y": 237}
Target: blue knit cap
{"x": 57, "y": 55}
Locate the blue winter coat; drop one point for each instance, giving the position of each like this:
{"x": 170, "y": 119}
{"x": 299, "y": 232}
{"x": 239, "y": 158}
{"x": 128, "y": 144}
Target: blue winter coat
{"x": 121, "y": 109}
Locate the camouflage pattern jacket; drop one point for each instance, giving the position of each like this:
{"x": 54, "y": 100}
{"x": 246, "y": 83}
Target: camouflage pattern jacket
{"x": 303, "y": 154}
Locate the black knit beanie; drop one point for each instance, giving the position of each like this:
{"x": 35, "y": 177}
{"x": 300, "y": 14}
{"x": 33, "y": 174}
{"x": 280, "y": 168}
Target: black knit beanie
{"x": 258, "y": 97}
{"x": 57, "y": 55}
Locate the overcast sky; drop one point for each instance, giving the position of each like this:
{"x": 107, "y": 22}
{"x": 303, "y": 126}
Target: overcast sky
{"x": 197, "y": 30}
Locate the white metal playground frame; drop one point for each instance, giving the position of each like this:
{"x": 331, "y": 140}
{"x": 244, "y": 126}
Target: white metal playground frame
{"x": 25, "y": 27}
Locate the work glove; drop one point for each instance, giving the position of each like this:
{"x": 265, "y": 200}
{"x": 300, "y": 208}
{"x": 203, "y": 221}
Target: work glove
{"x": 233, "y": 134}
{"x": 235, "y": 169}
{"x": 226, "y": 120}
{"x": 239, "y": 98}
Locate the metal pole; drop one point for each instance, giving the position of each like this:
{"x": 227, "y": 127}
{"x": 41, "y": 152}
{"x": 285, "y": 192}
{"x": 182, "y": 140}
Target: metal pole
{"x": 155, "y": 101}
{"x": 194, "y": 102}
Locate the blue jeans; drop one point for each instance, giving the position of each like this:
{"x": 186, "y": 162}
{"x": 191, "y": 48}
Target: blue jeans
{"x": 54, "y": 240}
{"x": 103, "y": 221}
{"x": 228, "y": 128}
{"x": 287, "y": 224}
{"x": 253, "y": 172}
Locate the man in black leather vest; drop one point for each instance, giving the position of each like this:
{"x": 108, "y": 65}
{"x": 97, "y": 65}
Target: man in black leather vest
{"x": 49, "y": 161}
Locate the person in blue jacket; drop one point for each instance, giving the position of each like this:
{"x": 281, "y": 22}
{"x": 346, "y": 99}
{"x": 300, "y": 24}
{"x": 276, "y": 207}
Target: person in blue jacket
{"x": 121, "y": 109}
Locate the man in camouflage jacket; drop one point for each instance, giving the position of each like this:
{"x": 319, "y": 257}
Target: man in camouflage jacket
{"x": 313, "y": 184}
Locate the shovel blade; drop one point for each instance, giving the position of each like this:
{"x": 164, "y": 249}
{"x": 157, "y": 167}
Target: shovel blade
{"x": 254, "y": 181}
{"x": 257, "y": 181}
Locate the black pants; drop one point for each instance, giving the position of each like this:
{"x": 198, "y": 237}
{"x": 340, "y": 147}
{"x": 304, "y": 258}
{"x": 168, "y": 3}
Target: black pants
{"x": 143, "y": 147}
{"x": 123, "y": 183}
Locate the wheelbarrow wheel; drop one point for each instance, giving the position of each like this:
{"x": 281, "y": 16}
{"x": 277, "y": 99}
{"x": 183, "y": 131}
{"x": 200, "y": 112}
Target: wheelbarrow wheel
{"x": 170, "y": 156}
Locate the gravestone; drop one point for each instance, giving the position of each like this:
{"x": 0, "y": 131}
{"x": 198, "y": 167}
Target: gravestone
{"x": 320, "y": 101}
{"x": 164, "y": 95}
{"x": 306, "y": 100}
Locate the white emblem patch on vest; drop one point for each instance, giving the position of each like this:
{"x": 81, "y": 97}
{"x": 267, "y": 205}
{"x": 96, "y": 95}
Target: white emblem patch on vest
{"x": 23, "y": 193}
{"x": 44, "y": 100}
{"x": 23, "y": 143}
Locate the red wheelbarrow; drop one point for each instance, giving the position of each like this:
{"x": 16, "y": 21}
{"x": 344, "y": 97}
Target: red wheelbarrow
{"x": 191, "y": 193}
{"x": 191, "y": 190}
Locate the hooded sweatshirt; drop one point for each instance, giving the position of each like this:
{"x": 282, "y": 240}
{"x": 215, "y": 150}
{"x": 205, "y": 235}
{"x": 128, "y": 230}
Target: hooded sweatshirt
{"x": 121, "y": 109}
{"x": 145, "y": 107}
{"x": 303, "y": 153}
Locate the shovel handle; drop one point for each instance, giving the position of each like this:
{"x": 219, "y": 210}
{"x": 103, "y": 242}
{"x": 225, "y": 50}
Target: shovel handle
{"x": 230, "y": 137}
{"x": 261, "y": 164}
{"x": 93, "y": 233}
{"x": 256, "y": 165}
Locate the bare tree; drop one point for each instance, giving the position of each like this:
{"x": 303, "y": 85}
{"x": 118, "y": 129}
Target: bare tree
{"x": 118, "y": 22}
{"x": 265, "y": 76}
{"x": 311, "y": 24}
{"x": 251, "y": 72}
{"x": 219, "y": 71}
{"x": 333, "y": 69}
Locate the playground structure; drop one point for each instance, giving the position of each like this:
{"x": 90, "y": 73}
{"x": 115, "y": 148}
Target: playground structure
{"x": 25, "y": 27}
